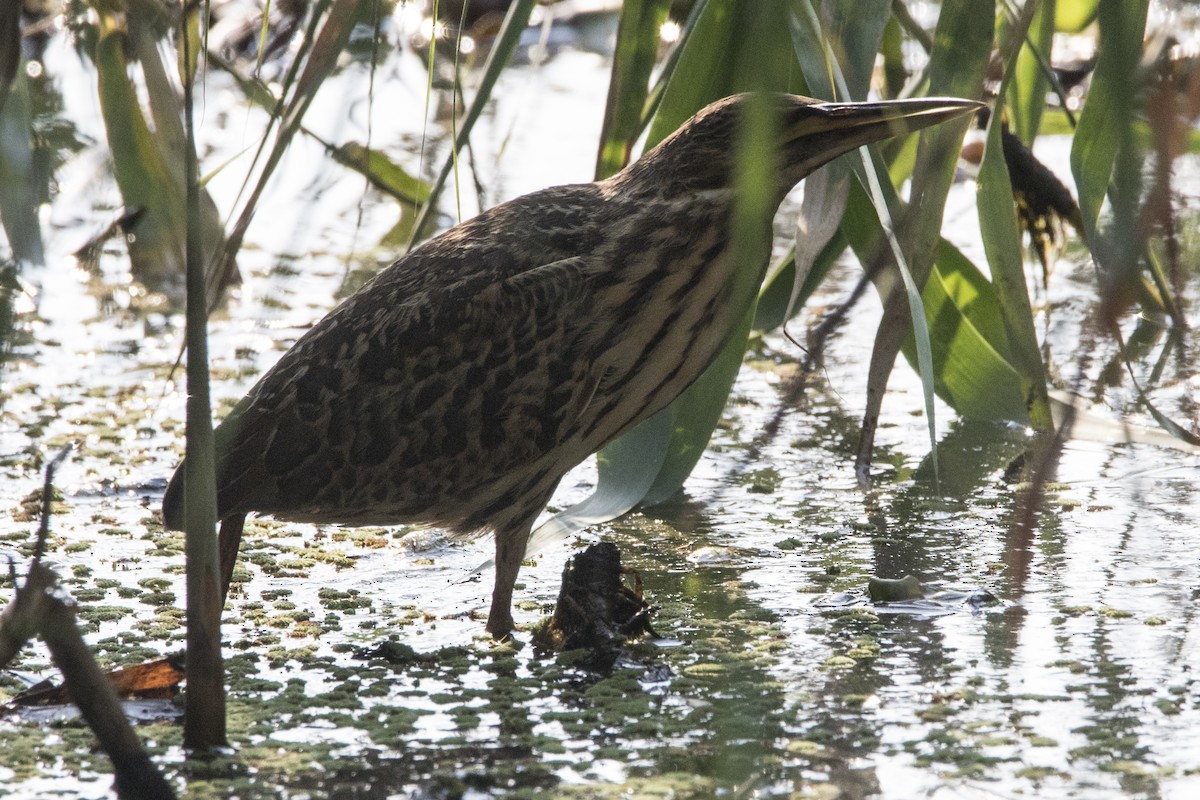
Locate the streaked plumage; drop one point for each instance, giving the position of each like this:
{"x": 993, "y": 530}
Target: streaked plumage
{"x": 457, "y": 387}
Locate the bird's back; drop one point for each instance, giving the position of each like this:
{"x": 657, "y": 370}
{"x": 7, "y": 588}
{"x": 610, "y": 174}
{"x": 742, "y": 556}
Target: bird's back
{"x": 465, "y": 379}
{"x": 456, "y": 364}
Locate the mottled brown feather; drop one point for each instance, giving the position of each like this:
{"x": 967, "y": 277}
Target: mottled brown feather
{"x": 459, "y": 385}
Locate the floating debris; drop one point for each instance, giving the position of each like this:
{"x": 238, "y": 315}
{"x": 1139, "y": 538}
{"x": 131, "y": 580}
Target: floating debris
{"x": 596, "y": 611}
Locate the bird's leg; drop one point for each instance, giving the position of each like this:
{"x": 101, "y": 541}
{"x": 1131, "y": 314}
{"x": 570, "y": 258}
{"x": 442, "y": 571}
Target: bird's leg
{"x": 510, "y": 549}
{"x": 229, "y": 540}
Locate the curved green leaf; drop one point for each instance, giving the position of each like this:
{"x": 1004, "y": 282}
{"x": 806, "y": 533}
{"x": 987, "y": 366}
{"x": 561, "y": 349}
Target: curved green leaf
{"x": 20, "y": 195}
{"x": 721, "y": 55}
{"x": 969, "y": 345}
{"x": 626, "y": 471}
{"x": 779, "y": 296}
{"x": 694, "y": 417}
{"x": 633, "y": 61}
{"x": 515, "y": 21}
{"x": 1002, "y": 243}
{"x": 1027, "y": 97}
{"x": 1072, "y": 16}
{"x": 1109, "y": 112}
{"x": 142, "y": 173}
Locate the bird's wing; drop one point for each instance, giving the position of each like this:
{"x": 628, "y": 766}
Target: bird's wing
{"x": 380, "y": 399}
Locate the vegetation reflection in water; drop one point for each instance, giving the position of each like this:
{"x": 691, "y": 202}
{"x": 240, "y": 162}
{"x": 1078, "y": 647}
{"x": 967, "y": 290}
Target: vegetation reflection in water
{"x": 1076, "y": 678}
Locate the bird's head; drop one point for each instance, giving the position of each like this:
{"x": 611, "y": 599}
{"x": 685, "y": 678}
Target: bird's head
{"x": 701, "y": 154}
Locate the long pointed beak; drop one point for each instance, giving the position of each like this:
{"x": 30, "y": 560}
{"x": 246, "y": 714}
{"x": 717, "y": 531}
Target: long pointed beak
{"x": 856, "y": 124}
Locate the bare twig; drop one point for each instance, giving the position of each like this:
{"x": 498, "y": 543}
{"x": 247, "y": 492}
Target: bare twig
{"x": 47, "y": 502}
{"x": 40, "y": 607}
{"x": 136, "y": 776}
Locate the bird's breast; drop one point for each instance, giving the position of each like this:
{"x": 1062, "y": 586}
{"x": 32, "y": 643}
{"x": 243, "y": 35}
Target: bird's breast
{"x": 664, "y": 309}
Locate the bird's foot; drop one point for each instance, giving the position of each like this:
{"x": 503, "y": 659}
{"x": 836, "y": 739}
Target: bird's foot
{"x": 500, "y": 623}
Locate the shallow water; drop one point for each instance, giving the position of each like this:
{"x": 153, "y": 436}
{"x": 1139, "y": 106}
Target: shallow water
{"x": 775, "y": 676}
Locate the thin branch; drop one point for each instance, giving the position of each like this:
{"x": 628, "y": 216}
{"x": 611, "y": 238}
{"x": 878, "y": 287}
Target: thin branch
{"x": 39, "y": 548}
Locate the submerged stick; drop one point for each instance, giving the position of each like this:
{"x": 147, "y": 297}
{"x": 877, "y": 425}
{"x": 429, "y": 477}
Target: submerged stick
{"x": 41, "y": 607}
{"x": 43, "y": 536}
{"x": 135, "y": 774}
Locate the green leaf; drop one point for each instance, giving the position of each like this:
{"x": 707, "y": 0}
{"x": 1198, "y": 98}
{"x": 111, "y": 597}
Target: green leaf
{"x": 1027, "y": 97}
{"x": 853, "y": 30}
{"x": 190, "y": 28}
{"x": 626, "y": 472}
{"x": 779, "y": 290}
{"x": 142, "y": 173}
{"x": 1072, "y": 16}
{"x": 721, "y": 55}
{"x": 19, "y": 193}
{"x": 633, "y": 61}
{"x": 1109, "y": 110}
{"x": 384, "y": 174}
{"x": 696, "y": 412}
{"x": 1002, "y": 243}
{"x": 694, "y": 417}
{"x": 961, "y": 46}
{"x": 969, "y": 345}
{"x": 895, "y": 75}
{"x": 10, "y": 47}
{"x": 170, "y": 138}
{"x": 515, "y": 21}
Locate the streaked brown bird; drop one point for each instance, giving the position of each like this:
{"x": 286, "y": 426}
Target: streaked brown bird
{"x": 458, "y": 386}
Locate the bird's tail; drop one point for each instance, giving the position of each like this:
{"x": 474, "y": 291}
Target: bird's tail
{"x": 172, "y": 504}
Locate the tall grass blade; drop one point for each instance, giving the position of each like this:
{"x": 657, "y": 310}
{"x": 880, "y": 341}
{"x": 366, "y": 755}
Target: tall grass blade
{"x": 970, "y": 352}
{"x": 626, "y": 471}
{"x": 779, "y": 298}
{"x": 724, "y": 54}
{"x": 694, "y": 414}
{"x": 327, "y": 39}
{"x": 855, "y": 33}
{"x": 718, "y": 38}
{"x": 10, "y": 47}
{"x": 962, "y": 44}
{"x": 1109, "y": 112}
{"x": 827, "y": 71}
{"x": 1030, "y": 77}
{"x": 633, "y": 60}
{"x": 515, "y": 21}
{"x": 169, "y": 136}
{"x": 1002, "y": 243}
{"x": 384, "y": 174}
{"x": 837, "y": 47}
{"x": 204, "y": 717}
{"x": 1072, "y": 16}
{"x": 19, "y": 194}
{"x": 140, "y": 167}
{"x": 630, "y": 474}
{"x": 655, "y": 95}
{"x": 263, "y": 30}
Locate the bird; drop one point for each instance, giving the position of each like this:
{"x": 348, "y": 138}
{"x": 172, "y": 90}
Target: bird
{"x": 459, "y": 385}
